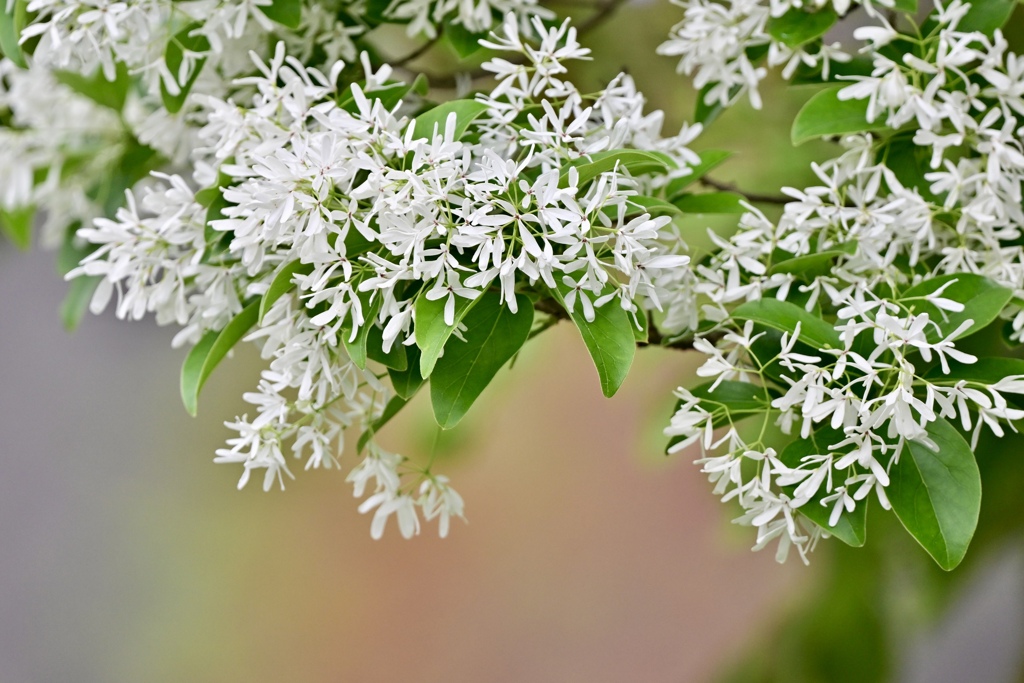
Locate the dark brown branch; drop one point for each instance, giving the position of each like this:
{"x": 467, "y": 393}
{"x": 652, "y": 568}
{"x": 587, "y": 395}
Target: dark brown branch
{"x": 751, "y": 196}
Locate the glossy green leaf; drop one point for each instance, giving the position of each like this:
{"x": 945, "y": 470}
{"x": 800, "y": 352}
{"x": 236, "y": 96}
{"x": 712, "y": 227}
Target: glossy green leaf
{"x": 282, "y": 284}
{"x": 633, "y": 160}
{"x": 17, "y": 225}
{"x": 407, "y": 382}
{"x": 706, "y": 112}
{"x": 797, "y": 27}
{"x": 826, "y": 115}
{"x": 814, "y": 265}
{"x": 210, "y": 351}
{"x": 937, "y": 495}
{"x": 609, "y": 338}
{"x": 908, "y": 6}
{"x": 432, "y": 332}
{"x": 982, "y": 371}
{"x": 12, "y": 21}
{"x": 493, "y": 335}
{"x": 640, "y": 204}
{"x": 784, "y": 316}
{"x": 851, "y": 527}
{"x": 285, "y": 12}
{"x": 709, "y": 160}
{"x": 982, "y": 298}
{"x": 356, "y": 347}
{"x": 396, "y": 358}
{"x": 711, "y": 202}
{"x": 465, "y": 43}
{"x": 433, "y": 121}
{"x": 181, "y": 43}
{"x": 110, "y": 94}
{"x": 987, "y": 15}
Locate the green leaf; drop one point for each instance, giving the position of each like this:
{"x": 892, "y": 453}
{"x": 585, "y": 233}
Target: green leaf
{"x": 177, "y": 46}
{"x": 937, "y": 495}
{"x": 851, "y": 527}
{"x": 356, "y": 347}
{"x": 282, "y": 284}
{"x": 783, "y": 316}
{"x": 110, "y": 94}
{"x": 464, "y": 42}
{"x": 396, "y": 358}
{"x": 982, "y": 298}
{"x": 493, "y": 335}
{"x": 432, "y": 332}
{"x": 825, "y": 114}
{"x": 12, "y": 21}
{"x": 407, "y": 382}
{"x": 633, "y": 160}
{"x": 466, "y": 111}
{"x": 711, "y": 202}
{"x": 16, "y": 224}
{"x": 811, "y": 266}
{"x": 609, "y": 338}
{"x": 285, "y": 12}
{"x": 706, "y": 113}
{"x": 210, "y": 351}
{"x": 987, "y": 15}
{"x": 982, "y": 371}
{"x": 909, "y": 163}
{"x": 639, "y": 204}
{"x": 797, "y": 27}
{"x": 709, "y": 160}
{"x": 908, "y": 6}
{"x": 76, "y": 301}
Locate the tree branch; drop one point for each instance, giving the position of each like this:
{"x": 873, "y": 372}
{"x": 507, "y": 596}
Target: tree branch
{"x": 751, "y": 196}
{"x": 654, "y": 337}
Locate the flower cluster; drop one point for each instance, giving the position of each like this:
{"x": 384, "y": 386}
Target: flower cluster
{"x": 337, "y": 216}
{"x": 910, "y": 243}
{"x": 727, "y": 47}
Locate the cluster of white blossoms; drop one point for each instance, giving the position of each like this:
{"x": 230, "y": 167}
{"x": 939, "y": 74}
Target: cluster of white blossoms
{"x": 911, "y": 242}
{"x": 727, "y": 47}
{"x": 338, "y": 215}
{"x": 52, "y": 142}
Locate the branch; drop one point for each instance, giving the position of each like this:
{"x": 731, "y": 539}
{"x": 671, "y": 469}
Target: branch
{"x": 751, "y": 196}
{"x": 654, "y": 337}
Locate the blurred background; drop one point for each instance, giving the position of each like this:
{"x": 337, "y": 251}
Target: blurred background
{"x": 127, "y": 555}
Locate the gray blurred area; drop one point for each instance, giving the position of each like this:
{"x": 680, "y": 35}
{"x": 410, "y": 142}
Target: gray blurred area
{"x": 129, "y": 556}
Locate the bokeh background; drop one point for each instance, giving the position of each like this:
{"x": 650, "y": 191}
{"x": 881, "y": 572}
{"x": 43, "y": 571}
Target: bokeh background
{"x": 127, "y": 555}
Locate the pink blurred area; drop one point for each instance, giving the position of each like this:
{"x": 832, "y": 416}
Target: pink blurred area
{"x": 129, "y": 556}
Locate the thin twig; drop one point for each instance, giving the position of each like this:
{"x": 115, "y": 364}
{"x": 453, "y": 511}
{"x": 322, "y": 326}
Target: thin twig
{"x": 751, "y": 196}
